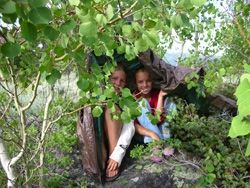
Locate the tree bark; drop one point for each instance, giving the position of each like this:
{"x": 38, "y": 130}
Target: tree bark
{"x": 5, "y": 161}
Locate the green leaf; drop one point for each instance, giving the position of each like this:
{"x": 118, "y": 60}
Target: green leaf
{"x": 40, "y": 15}
{"x": 248, "y": 148}
{"x": 141, "y": 45}
{"x": 51, "y": 33}
{"x": 209, "y": 167}
{"x": 239, "y": 127}
{"x": 8, "y": 8}
{"x": 247, "y": 68}
{"x": 67, "y": 26}
{"x": 83, "y": 84}
{"x": 74, "y": 2}
{"x": 125, "y": 116}
{"x": 97, "y": 111}
{"x": 126, "y": 92}
{"x": 101, "y": 19}
{"x": 10, "y": 49}
{"x": 149, "y": 24}
{"x": 64, "y": 40}
{"x": 110, "y": 12}
{"x": 53, "y": 76}
{"x": 176, "y": 20}
{"x": 37, "y": 3}
{"x": 198, "y": 3}
{"x": 222, "y": 72}
{"x": 29, "y": 31}
{"x": 127, "y": 30}
{"x": 88, "y": 29}
{"x": 243, "y": 95}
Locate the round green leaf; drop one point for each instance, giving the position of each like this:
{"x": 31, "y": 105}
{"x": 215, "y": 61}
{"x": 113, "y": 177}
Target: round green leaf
{"x": 83, "y": 84}
{"x": 10, "y": 49}
{"x": 88, "y": 29}
{"x": 53, "y": 76}
{"x": 126, "y": 92}
{"x": 8, "y": 8}
{"x": 40, "y": 15}
{"x": 97, "y": 111}
{"x": 239, "y": 127}
{"x": 67, "y": 26}
{"x": 29, "y": 31}
{"x": 101, "y": 19}
{"x": 51, "y": 33}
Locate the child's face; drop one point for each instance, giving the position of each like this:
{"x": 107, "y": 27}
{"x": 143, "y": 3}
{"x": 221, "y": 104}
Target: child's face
{"x": 143, "y": 82}
{"x": 118, "y": 79}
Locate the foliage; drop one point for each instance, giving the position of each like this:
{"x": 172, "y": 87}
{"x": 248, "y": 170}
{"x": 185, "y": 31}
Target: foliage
{"x": 241, "y": 123}
{"x": 223, "y": 162}
{"x": 42, "y": 40}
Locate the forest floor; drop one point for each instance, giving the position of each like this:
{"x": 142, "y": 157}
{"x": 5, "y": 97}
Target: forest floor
{"x": 180, "y": 169}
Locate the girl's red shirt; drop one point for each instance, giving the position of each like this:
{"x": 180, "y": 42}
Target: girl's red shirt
{"x": 153, "y": 100}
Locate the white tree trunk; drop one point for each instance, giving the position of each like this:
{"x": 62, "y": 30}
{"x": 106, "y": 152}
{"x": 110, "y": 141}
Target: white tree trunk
{"x": 5, "y": 161}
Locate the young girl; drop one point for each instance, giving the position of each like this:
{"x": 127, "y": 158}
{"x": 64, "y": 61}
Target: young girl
{"x": 118, "y": 135}
{"x": 151, "y": 101}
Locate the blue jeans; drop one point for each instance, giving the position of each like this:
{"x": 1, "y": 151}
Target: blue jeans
{"x": 161, "y": 130}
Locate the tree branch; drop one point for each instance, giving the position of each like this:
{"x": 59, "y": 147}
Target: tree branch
{"x": 120, "y": 8}
{"x": 34, "y": 92}
{"x": 241, "y": 30}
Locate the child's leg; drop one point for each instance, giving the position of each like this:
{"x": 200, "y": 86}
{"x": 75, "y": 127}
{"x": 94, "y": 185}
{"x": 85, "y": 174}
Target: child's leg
{"x": 145, "y": 121}
{"x": 169, "y": 108}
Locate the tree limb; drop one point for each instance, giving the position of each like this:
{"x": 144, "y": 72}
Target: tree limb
{"x": 34, "y": 92}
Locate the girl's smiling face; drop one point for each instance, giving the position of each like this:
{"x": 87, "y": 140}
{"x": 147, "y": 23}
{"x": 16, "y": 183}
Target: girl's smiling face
{"x": 143, "y": 82}
{"x": 118, "y": 79}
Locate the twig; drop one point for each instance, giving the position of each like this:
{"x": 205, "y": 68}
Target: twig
{"x": 120, "y": 8}
{"x": 8, "y": 91}
{"x": 7, "y": 107}
{"x": 34, "y": 92}
{"x": 241, "y": 151}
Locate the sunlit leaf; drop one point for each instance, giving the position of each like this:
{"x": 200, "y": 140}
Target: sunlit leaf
{"x": 110, "y": 12}
{"x": 97, "y": 111}
{"x": 198, "y": 3}
{"x": 243, "y": 95}
{"x": 74, "y": 2}
{"x": 126, "y": 92}
{"x": 101, "y": 19}
{"x": 239, "y": 127}
{"x": 88, "y": 29}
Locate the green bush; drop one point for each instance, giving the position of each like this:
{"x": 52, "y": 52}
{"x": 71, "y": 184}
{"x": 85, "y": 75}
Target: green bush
{"x": 207, "y": 137}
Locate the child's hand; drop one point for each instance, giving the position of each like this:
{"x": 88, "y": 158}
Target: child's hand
{"x": 154, "y": 136}
{"x": 162, "y": 93}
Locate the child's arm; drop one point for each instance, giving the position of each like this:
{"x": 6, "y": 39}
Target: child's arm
{"x": 145, "y": 132}
{"x": 161, "y": 96}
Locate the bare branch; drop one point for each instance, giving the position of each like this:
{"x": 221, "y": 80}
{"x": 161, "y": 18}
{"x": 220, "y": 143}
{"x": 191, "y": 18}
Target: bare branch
{"x": 34, "y": 92}
{"x": 6, "y": 108}
{"x": 8, "y": 91}
{"x": 120, "y": 8}
{"x": 241, "y": 30}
